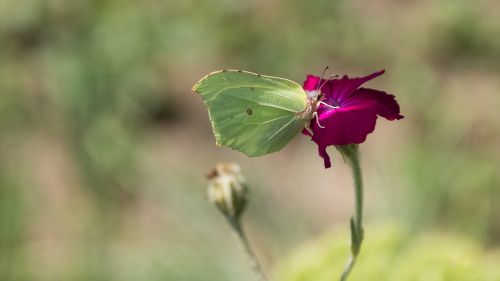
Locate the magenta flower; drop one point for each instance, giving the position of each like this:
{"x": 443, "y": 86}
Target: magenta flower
{"x": 347, "y": 113}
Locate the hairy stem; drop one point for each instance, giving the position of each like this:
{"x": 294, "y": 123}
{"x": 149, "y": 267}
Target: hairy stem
{"x": 254, "y": 262}
{"x": 358, "y": 192}
{"x": 351, "y": 156}
{"x": 348, "y": 268}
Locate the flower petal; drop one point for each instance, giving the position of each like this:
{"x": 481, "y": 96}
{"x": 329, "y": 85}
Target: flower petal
{"x": 386, "y": 105}
{"x": 337, "y": 90}
{"x": 311, "y": 83}
{"x": 350, "y": 124}
{"x": 325, "y": 156}
{"x": 343, "y": 126}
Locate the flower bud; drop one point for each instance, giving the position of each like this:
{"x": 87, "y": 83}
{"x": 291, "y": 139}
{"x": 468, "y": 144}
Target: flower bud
{"x": 227, "y": 189}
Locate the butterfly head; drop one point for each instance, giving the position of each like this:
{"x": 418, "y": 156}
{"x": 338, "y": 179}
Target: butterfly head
{"x": 316, "y": 95}
{"x": 313, "y": 95}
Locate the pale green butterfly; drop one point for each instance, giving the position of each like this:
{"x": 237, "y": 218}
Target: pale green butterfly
{"x": 253, "y": 113}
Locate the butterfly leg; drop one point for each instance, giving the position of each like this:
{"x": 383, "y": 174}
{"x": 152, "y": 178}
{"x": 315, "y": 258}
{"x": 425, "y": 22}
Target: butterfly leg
{"x": 327, "y": 105}
{"x": 315, "y": 115}
{"x": 308, "y": 128}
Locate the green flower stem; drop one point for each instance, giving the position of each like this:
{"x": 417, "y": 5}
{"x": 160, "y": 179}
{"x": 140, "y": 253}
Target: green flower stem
{"x": 351, "y": 157}
{"x": 254, "y": 262}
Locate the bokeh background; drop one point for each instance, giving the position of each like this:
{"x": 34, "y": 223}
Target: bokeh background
{"x": 104, "y": 148}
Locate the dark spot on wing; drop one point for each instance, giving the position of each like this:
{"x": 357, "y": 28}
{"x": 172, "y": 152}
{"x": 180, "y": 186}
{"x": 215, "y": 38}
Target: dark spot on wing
{"x": 239, "y": 70}
{"x": 259, "y": 75}
{"x": 249, "y": 111}
{"x": 252, "y": 88}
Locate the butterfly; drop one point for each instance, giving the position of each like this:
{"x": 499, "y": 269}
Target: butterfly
{"x": 256, "y": 114}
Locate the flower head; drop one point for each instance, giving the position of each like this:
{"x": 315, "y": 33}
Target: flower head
{"x": 346, "y": 113}
{"x": 227, "y": 189}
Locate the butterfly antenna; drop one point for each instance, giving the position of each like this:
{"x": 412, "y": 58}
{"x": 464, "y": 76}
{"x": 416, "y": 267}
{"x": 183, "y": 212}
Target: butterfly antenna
{"x": 322, "y": 74}
{"x": 326, "y": 80}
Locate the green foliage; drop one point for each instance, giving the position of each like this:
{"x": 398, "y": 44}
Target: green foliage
{"x": 391, "y": 253}
{"x": 12, "y": 228}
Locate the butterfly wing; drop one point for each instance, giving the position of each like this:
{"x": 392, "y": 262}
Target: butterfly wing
{"x": 252, "y": 113}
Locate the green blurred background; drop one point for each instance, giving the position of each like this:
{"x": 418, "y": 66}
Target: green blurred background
{"x": 104, "y": 148}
